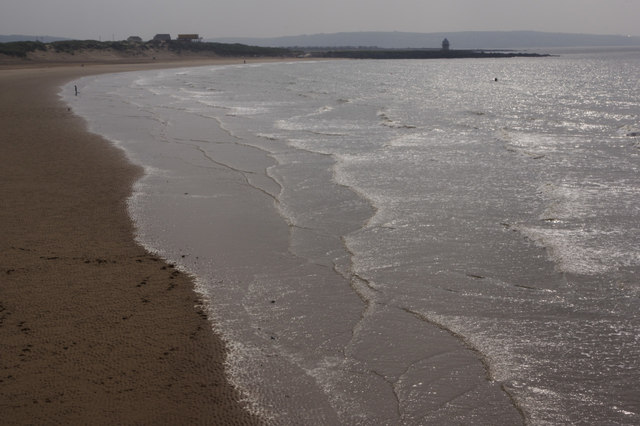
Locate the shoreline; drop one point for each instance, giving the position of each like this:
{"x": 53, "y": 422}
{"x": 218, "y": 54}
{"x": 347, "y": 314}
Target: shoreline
{"x": 93, "y": 328}
{"x": 269, "y": 296}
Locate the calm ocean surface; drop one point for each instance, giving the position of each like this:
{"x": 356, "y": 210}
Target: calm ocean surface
{"x": 401, "y": 242}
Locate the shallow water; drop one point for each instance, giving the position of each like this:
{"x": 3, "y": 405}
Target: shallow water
{"x": 407, "y": 242}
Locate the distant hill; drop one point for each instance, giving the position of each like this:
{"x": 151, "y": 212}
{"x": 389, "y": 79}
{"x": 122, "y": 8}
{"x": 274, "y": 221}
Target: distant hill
{"x": 459, "y": 40}
{"x": 16, "y": 37}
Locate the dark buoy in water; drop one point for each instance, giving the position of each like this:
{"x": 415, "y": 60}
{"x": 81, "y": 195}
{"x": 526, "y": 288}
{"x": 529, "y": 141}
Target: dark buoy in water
{"x": 495, "y": 79}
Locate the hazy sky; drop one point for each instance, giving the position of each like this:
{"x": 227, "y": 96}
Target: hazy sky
{"x": 118, "y": 19}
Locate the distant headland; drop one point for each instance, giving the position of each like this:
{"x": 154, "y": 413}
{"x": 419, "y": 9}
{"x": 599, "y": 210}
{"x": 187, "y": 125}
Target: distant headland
{"x": 420, "y": 54}
{"x": 468, "y": 40}
{"x": 444, "y": 52}
{"x": 88, "y": 51}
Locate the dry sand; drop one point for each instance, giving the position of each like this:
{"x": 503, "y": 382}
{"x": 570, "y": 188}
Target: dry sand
{"x": 93, "y": 329}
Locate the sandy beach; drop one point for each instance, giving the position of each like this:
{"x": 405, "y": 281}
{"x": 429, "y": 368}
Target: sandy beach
{"x": 93, "y": 329}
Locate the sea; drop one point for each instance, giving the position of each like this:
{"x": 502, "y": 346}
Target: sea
{"x": 400, "y": 241}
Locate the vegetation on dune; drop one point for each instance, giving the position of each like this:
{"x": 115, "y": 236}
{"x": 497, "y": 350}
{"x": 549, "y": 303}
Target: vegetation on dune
{"x": 224, "y": 49}
{"x": 72, "y": 46}
{"x": 21, "y": 48}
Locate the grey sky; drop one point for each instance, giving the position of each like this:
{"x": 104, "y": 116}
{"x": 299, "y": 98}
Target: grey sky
{"x": 102, "y": 19}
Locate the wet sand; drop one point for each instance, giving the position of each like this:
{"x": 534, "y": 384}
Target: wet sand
{"x": 93, "y": 329}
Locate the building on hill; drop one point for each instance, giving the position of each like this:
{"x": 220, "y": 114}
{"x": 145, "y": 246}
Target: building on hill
{"x": 162, "y": 37}
{"x": 445, "y": 45}
{"x": 189, "y": 37}
{"x": 134, "y": 39}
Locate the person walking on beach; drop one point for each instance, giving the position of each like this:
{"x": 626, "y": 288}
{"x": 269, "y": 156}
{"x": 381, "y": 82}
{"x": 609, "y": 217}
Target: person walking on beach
{"x": 76, "y": 88}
